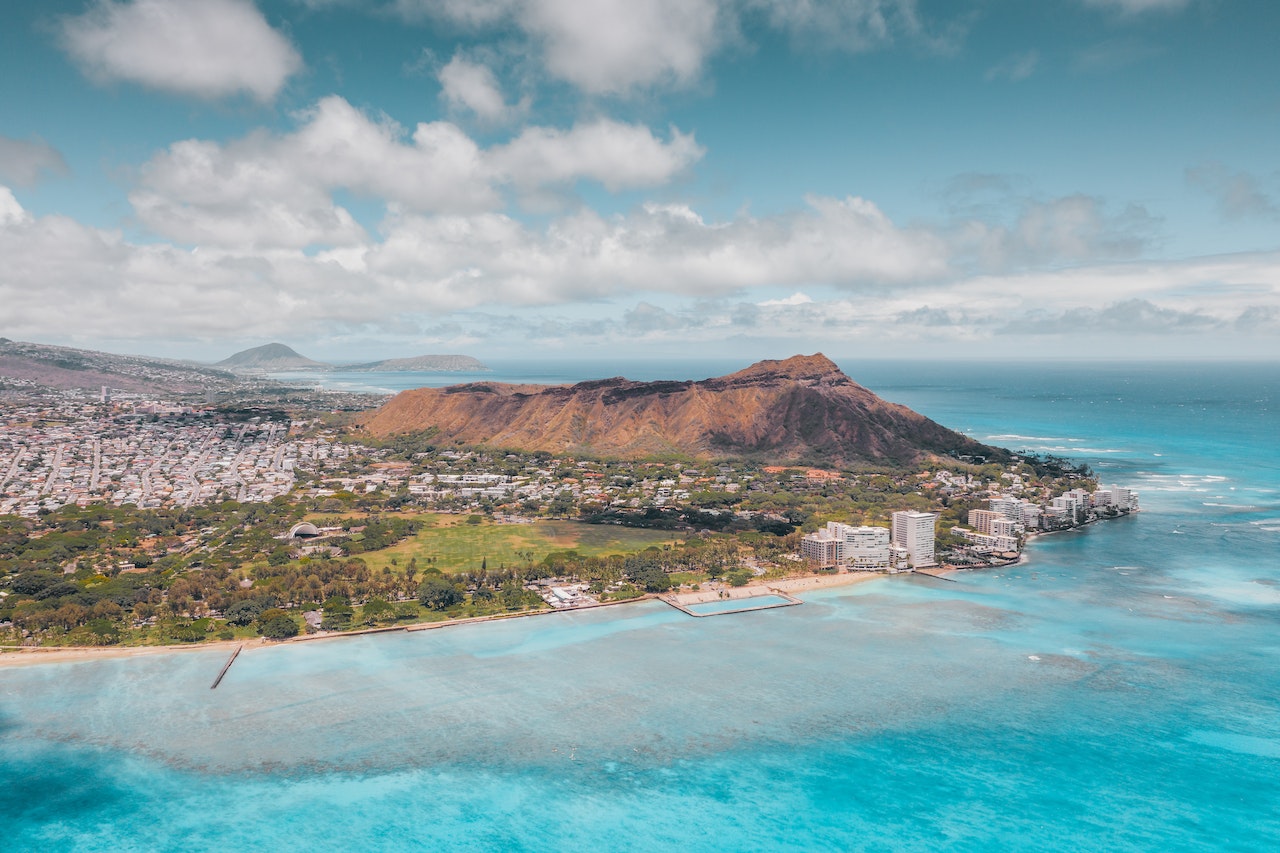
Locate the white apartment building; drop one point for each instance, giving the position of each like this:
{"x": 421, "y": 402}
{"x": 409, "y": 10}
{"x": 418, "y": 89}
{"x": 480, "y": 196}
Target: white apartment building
{"x": 914, "y": 531}
{"x": 1116, "y": 496}
{"x": 987, "y": 544}
{"x": 1006, "y": 506}
{"x": 843, "y": 545}
{"x": 1006, "y": 527}
{"x": 866, "y": 548}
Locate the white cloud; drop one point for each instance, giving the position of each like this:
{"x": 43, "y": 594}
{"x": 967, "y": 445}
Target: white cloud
{"x": 207, "y": 48}
{"x": 1240, "y": 195}
{"x": 472, "y": 86}
{"x": 677, "y": 270}
{"x": 23, "y": 162}
{"x": 622, "y": 47}
{"x": 796, "y": 298}
{"x": 851, "y": 25}
{"x": 605, "y": 47}
{"x": 1070, "y": 229}
{"x": 460, "y": 262}
{"x": 276, "y": 190}
{"x": 614, "y": 46}
{"x": 618, "y": 156}
{"x": 11, "y": 212}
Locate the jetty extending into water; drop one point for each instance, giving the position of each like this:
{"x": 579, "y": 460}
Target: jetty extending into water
{"x": 226, "y": 666}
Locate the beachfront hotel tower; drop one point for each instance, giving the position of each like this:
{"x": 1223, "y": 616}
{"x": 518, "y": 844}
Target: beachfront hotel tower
{"x": 914, "y": 532}
{"x": 845, "y": 546}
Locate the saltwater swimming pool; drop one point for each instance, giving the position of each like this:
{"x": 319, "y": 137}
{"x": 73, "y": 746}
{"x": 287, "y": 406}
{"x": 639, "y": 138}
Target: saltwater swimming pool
{"x": 737, "y": 605}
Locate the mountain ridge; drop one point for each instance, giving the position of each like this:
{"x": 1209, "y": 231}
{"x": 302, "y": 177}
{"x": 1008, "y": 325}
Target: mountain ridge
{"x": 800, "y": 408}
{"x": 50, "y": 366}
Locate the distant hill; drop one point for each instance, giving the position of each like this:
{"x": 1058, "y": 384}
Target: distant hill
{"x": 68, "y": 368}
{"x": 802, "y": 408}
{"x": 439, "y": 363}
{"x": 270, "y": 357}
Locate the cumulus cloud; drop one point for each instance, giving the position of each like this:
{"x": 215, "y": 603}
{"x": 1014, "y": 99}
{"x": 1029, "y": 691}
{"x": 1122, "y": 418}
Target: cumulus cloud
{"x": 612, "y": 46}
{"x": 1239, "y": 195}
{"x": 473, "y": 87}
{"x": 865, "y": 282}
{"x": 457, "y": 262}
{"x": 206, "y": 48}
{"x": 616, "y": 155}
{"x": 11, "y": 211}
{"x": 606, "y": 47}
{"x": 1077, "y": 228}
{"x": 621, "y": 47}
{"x": 999, "y": 223}
{"x": 23, "y": 162}
{"x": 276, "y": 189}
{"x": 433, "y": 264}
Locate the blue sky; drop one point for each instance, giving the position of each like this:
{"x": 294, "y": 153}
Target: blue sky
{"x": 737, "y": 178}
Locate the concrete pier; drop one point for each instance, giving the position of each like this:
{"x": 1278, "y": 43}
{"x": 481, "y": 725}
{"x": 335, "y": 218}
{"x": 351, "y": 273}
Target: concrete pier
{"x": 226, "y": 666}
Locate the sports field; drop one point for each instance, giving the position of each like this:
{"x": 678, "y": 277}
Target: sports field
{"x": 452, "y": 543}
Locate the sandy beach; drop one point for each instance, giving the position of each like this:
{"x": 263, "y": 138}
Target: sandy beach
{"x": 31, "y": 655}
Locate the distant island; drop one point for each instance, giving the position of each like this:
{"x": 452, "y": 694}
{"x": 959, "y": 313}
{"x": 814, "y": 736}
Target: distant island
{"x": 277, "y": 357}
{"x": 439, "y": 363}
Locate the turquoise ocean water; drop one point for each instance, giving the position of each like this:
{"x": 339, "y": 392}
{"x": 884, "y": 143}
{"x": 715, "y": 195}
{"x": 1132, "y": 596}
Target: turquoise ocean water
{"x": 1120, "y": 691}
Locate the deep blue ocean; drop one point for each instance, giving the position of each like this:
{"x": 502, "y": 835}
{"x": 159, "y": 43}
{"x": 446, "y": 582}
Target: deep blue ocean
{"x": 1119, "y": 691}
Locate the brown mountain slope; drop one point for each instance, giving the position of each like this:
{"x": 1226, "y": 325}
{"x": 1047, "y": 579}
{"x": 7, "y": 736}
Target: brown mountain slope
{"x": 802, "y": 408}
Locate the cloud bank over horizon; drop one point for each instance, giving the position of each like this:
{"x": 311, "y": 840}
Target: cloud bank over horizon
{"x": 626, "y": 178}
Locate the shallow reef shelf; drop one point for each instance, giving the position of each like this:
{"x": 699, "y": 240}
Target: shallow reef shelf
{"x": 725, "y": 606}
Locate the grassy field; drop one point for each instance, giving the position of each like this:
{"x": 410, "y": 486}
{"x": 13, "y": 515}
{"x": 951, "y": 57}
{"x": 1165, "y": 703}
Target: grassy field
{"x": 449, "y": 543}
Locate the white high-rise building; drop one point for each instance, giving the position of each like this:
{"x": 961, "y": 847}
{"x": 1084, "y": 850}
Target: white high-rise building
{"x": 914, "y": 531}
{"x": 1124, "y": 498}
{"x": 866, "y": 547}
{"x": 1006, "y": 506}
{"x": 845, "y": 545}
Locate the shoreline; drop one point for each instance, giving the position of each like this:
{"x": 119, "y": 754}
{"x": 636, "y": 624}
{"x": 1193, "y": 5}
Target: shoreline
{"x": 790, "y": 586}
{"x": 36, "y": 655}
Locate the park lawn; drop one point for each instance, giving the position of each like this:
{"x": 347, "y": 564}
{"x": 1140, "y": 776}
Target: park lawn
{"x": 450, "y": 544}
